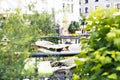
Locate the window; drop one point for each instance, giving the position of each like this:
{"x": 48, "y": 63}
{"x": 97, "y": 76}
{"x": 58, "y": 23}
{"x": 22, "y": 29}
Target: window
{"x": 96, "y": 0}
{"x": 71, "y": 8}
{"x": 68, "y": 7}
{"x": 80, "y": 10}
{"x": 63, "y": 5}
{"x": 79, "y": 2}
{"x": 86, "y": 9}
{"x": 86, "y": 1}
{"x": 118, "y": 5}
{"x": 107, "y": 5}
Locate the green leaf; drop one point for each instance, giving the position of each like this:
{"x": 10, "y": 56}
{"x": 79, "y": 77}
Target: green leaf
{"x": 106, "y": 60}
{"x": 111, "y": 36}
{"x": 118, "y": 68}
{"x": 112, "y": 76}
{"x": 76, "y": 77}
{"x": 113, "y": 54}
{"x": 79, "y": 62}
{"x": 105, "y": 73}
{"x": 117, "y": 42}
{"x": 117, "y": 58}
{"x": 98, "y": 66}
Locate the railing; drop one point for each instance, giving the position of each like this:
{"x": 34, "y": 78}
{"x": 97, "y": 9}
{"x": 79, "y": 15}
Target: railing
{"x": 63, "y": 38}
{"x": 59, "y": 54}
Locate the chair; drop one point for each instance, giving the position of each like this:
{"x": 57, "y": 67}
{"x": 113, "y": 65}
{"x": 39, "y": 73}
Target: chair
{"x": 59, "y": 70}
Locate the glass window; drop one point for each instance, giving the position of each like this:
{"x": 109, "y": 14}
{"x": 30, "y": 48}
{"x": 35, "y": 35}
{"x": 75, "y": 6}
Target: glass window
{"x": 71, "y": 8}
{"x": 79, "y": 2}
{"x": 80, "y": 10}
{"x": 107, "y": 5}
{"x": 68, "y": 7}
{"x": 118, "y": 5}
{"x": 86, "y": 1}
{"x": 86, "y": 9}
{"x": 96, "y": 0}
{"x": 63, "y": 5}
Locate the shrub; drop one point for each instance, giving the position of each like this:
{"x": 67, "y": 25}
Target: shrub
{"x": 102, "y": 50}
{"x": 17, "y": 33}
{"x": 73, "y": 26}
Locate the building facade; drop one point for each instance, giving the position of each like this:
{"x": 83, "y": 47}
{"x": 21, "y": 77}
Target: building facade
{"x": 64, "y": 11}
{"x": 85, "y": 6}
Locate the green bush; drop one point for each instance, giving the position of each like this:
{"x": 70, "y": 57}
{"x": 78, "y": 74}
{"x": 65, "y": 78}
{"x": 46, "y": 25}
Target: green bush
{"x": 102, "y": 50}
{"x": 73, "y": 26}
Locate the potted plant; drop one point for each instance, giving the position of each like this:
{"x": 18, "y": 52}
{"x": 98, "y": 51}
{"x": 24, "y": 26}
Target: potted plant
{"x": 73, "y": 26}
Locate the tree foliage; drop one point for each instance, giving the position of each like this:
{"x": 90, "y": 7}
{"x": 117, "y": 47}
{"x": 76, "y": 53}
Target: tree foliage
{"x": 102, "y": 50}
{"x": 73, "y": 26}
{"x": 17, "y": 34}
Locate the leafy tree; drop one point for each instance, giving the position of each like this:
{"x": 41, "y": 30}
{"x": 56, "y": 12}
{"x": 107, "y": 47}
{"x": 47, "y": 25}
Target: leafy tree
{"x": 44, "y": 22}
{"x": 102, "y": 50}
{"x": 18, "y": 33}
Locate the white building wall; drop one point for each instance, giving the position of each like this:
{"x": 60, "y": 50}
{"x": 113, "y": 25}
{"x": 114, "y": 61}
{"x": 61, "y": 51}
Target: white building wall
{"x": 75, "y": 15}
{"x": 64, "y": 17}
{"x": 50, "y": 6}
{"x": 71, "y": 15}
{"x": 101, "y": 3}
{"x": 58, "y": 11}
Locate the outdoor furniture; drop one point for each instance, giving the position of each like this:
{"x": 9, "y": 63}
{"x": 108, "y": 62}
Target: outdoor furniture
{"x": 42, "y": 45}
{"x": 47, "y": 49}
{"x": 45, "y": 68}
{"x": 56, "y": 68}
